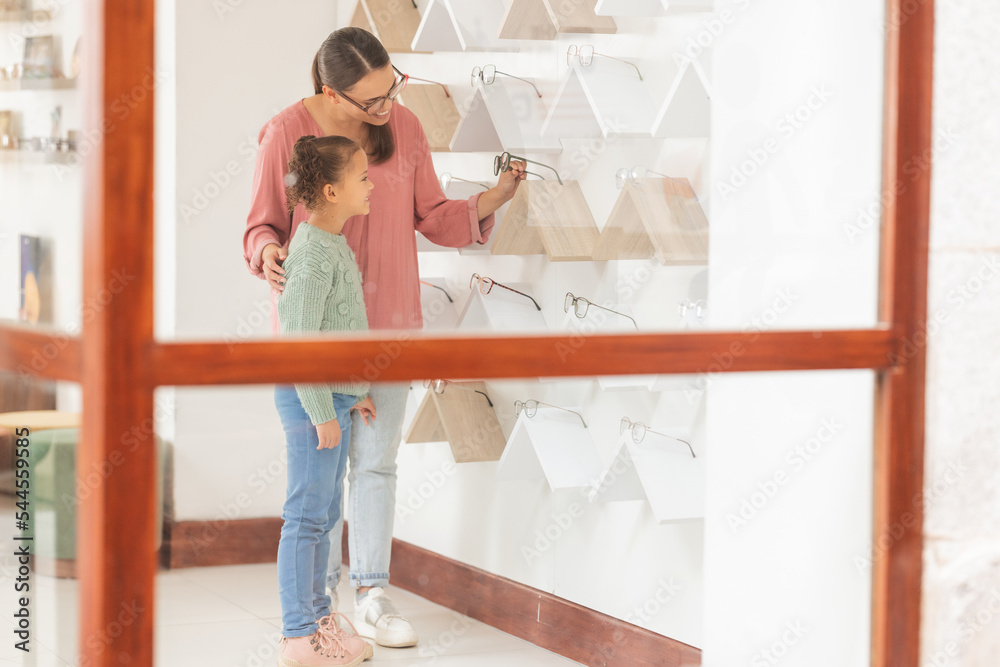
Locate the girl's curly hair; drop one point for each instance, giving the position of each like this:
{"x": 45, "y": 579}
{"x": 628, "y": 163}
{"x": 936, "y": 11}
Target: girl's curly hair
{"x": 315, "y": 162}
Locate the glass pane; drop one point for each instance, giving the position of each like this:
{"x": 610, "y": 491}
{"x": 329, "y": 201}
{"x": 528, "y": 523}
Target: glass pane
{"x": 766, "y": 517}
{"x": 41, "y": 178}
{"x": 752, "y": 187}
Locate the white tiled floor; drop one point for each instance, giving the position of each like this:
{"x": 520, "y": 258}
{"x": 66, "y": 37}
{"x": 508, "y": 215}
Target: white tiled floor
{"x": 230, "y": 617}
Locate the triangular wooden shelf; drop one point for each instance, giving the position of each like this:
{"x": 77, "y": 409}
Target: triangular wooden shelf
{"x": 553, "y": 444}
{"x": 436, "y": 112}
{"x": 544, "y": 19}
{"x": 494, "y": 123}
{"x": 548, "y": 218}
{"x": 394, "y": 22}
{"x": 660, "y": 218}
{"x": 686, "y": 112}
{"x": 463, "y": 419}
{"x": 604, "y": 100}
{"x": 461, "y": 26}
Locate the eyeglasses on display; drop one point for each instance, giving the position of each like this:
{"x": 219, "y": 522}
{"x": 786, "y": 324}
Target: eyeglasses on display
{"x": 438, "y": 387}
{"x": 530, "y": 407}
{"x": 375, "y": 106}
{"x": 502, "y": 163}
{"x": 586, "y": 55}
{"x": 699, "y": 306}
{"x": 639, "y": 432}
{"x": 487, "y": 284}
{"x": 450, "y": 300}
{"x": 446, "y": 178}
{"x": 581, "y": 306}
{"x": 635, "y": 176}
{"x": 488, "y": 74}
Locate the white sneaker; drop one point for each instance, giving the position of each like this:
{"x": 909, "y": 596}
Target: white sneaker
{"x": 376, "y": 618}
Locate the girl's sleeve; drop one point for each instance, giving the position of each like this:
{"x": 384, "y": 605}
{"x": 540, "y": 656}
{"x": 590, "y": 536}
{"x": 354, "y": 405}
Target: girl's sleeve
{"x": 268, "y": 220}
{"x": 300, "y": 309}
{"x": 453, "y": 223}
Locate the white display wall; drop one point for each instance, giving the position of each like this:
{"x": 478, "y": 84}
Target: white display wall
{"x": 780, "y": 256}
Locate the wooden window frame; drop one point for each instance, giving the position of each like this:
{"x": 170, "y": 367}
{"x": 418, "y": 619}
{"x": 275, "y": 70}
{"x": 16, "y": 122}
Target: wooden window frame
{"x": 120, "y": 363}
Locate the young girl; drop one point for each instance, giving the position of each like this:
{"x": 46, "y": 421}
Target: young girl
{"x": 322, "y": 293}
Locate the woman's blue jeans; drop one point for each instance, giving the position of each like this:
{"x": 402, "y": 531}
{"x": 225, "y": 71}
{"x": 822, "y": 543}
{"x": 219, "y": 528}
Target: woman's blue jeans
{"x": 312, "y": 509}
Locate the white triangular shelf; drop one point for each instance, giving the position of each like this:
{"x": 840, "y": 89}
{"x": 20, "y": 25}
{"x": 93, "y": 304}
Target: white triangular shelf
{"x": 462, "y": 190}
{"x": 660, "y": 218}
{"x": 436, "y": 112}
{"x": 461, "y": 26}
{"x": 671, "y": 480}
{"x": 686, "y": 112}
{"x": 394, "y": 22}
{"x": 548, "y": 218}
{"x": 439, "y": 313}
{"x": 493, "y": 122}
{"x": 462, "y": 418}
{"x": 544, "y": 19}
{"x": 604, "y": 100}
{"x": 600, "y": 321}
{"x": 553, "y": 444}
{"x": 502, "y": 311}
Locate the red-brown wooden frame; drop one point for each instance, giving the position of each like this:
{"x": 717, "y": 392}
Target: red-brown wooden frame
{"x": 120, "y": 363}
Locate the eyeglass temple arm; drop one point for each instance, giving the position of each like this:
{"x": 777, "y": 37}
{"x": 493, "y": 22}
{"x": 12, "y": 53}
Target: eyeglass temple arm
{"x": 518, "y": 157}
{"x": 616, "y": 313}
{"x": 521, "y": 293}
{"x": 450, "y": 300}
{"x": 520, "y": 79}
{"x": 690, "y": 448}
{"x": 484, "y": 394}
{"x": 565, "y": 410}
{"x": 622, "y": 61}
{"x": 465, "y": 180}
{"x": 436, "y": 83}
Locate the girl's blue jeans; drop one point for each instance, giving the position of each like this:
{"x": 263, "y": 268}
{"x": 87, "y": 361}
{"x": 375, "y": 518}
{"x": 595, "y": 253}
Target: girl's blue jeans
{"x": 312, "y": 509}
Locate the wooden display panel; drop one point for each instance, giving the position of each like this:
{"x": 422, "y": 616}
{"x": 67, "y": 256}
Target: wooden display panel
{"x": 436, "y": 112}
{"x": 544, "y": 19}
{"x": 394, "y": 22}
{"x": 661, "y": 218}
{"x": 546, "y": 217}
{"x": 462, "y": 418}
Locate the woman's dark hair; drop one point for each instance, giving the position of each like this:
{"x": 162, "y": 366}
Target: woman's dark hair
{"x": 315, "y": 162}
{"x": 345, "y": 58}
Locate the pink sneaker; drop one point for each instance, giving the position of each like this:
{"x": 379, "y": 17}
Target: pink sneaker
{"x": 328, "y": 647}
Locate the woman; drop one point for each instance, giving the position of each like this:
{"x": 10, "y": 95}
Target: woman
{"x": 355, "y": 85}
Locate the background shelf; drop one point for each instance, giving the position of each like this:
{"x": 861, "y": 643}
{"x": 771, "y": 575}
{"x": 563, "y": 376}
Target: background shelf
{"x": 660, "y": 218}
{"x": 463, "y": 419}
{"x": 686, "y": 112}
{"x": 461, "y": 26}
{"x": 603, "y": 100}
{"x": 546, "y": 217}
{"x": 502, "y": 311}
{"x": 436, "y": 112}
{"x": 37, "y": 84}
{"x": 26, "y": 16}
{"x": 553, "y": 444}
{"x": 394, "y": 22}
{"x": 37, "y": 157}
{"x": 543, "y": 19}
{"x": 493, "y": 122}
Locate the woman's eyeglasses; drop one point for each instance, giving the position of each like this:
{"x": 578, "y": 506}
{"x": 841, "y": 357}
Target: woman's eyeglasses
{"x": 438, "y": 387}
{"x": 488, "y": 75}
{"x": 586, "y": 55}
{"x": 581, "y": 306}
{"x": 699, "y": 307}
{"x": 502, "y": 163}
{"x": 530, "y": 407}
{"x": 635, "y": 176}
{"x": 487, "y": 284}
{"x": 436, "y": 83}
{"x": 450, "y": 300}
{"x": 375, "y": 106}
{"x": 639, "y": 432}
{"x": 446, "y": 178}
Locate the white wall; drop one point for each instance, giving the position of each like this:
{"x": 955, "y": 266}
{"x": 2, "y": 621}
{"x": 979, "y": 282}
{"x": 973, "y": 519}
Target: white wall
{"x": 961, "y": 610}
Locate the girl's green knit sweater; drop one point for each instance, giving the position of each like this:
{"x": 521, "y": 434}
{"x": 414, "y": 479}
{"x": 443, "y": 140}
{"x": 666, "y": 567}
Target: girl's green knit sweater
{"x": 322, "y": 293}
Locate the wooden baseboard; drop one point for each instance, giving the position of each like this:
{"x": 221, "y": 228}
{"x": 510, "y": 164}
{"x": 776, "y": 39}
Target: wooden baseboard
{"x": 550, "y": 622}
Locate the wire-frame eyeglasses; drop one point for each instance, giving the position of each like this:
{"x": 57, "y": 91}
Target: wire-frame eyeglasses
{"x": 586, "y": 55}
{"x": 488, "y": 74}
{"x": 530, "y": 407}
{"x": 635, "y": 176}
{"x": 450, "y": 300}
{"x": 581, "y": 306}
{"x": 639, "y": 432}
{"x": 375, "y": 106}
{"x": 502, "y": 163}
{"x": 487, "y": 284}
{"x": 438, "y": 387}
